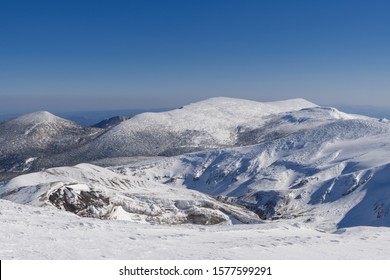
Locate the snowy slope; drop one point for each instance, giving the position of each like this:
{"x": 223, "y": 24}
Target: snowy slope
{"x": 42, "y": 140}
{"x": 111, "y": 122}
{"x": 324, "y": 165}
{"x": 316, "y": 176}
{"x": 211, "y": 123}
{"x": 29, "y": 137}
{"x": 280, "y": 160}
{"x": 28, "y": 232}
{"x": 92, "y": 191}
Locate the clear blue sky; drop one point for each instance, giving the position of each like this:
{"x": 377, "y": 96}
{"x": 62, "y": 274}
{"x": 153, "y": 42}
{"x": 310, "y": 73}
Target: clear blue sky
{"x": 88, "y": 55}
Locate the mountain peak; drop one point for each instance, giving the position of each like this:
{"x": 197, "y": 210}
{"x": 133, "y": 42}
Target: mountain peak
{"x": 38, "y": 117}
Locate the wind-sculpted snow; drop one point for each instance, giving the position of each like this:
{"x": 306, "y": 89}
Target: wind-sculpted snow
{"x": 92, "y": 191}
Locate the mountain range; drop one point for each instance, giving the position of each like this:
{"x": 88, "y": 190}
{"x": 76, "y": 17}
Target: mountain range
{"x": 221, "y": 160}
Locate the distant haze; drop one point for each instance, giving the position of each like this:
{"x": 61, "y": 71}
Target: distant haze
{"x": 72, "y": 55}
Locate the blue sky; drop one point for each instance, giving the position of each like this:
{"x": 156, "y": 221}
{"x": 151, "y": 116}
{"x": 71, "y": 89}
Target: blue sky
{"x": 103, "y": 55}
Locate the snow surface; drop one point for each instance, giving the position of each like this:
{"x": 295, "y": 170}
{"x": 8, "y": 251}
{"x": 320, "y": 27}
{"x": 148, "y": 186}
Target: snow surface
{"x": 28, "y": 232}
{"x": 92, "y": 191}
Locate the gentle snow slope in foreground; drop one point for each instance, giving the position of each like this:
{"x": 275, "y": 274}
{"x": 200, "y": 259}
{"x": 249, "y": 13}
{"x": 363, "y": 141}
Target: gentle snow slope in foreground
{"x": 38, "y": 233}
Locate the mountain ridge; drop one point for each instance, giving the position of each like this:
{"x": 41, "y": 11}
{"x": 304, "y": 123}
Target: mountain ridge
{"x": 211, "y": 123}
{"x": 279, "y": 160}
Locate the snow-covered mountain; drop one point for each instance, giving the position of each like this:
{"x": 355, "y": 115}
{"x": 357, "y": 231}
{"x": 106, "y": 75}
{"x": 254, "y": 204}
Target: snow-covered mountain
{"x": 212, "y": 123}
{"x": 27, "y": 138}
{"x": 325, "y": 166}
{"x": 42, "y": 140}
{"x": 280, "y": 160}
